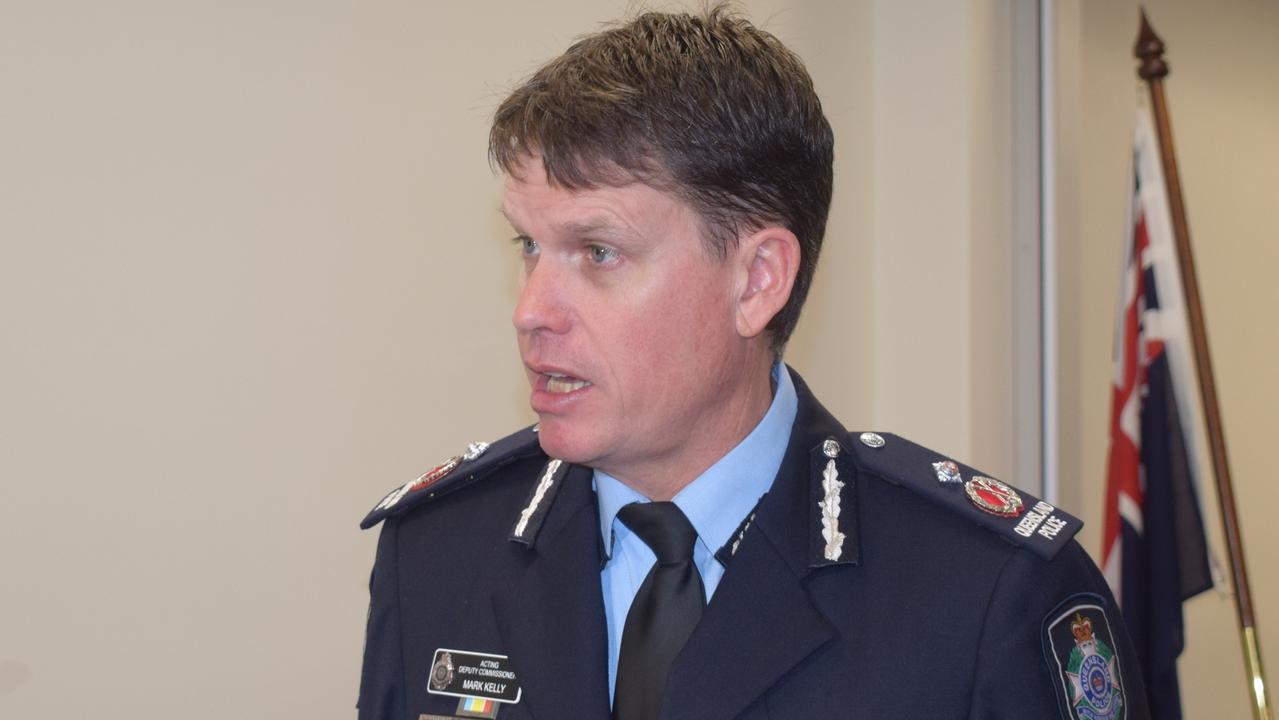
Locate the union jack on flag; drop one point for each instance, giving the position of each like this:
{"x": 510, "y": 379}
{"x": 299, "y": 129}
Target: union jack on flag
{"x": 1154, "y": 553}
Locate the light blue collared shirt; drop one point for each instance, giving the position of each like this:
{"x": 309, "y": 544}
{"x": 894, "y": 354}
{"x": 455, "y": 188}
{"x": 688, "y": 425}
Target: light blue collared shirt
{"x": 716, "y": 503}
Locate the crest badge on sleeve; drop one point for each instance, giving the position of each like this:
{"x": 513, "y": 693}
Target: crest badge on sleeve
{"x": 1082, "y": 649}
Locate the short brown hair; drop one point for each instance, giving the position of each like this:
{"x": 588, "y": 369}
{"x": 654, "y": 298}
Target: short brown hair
{"x": 707, "y": 107}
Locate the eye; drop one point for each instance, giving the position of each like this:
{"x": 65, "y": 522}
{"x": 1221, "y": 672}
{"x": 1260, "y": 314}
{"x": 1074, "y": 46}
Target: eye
{"x": 601, "y": 254}
{"x": 528, "y": 246}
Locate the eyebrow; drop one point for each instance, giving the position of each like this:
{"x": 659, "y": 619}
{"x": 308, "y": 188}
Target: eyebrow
{"x": 592, "y": 226}
{"x": 502, "y": 209}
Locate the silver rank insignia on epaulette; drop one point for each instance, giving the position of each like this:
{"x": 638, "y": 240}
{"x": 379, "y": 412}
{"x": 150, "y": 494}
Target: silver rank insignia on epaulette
{"x": 834, "y": 510}
{"x": 947, "y": 472}
{"x": 475, "y": 450}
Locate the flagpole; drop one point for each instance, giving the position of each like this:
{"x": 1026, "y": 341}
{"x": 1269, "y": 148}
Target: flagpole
{"x": 1153, "y": 70}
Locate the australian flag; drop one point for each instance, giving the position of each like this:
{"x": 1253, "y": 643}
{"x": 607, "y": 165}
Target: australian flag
{"x": 1154, "y": 550}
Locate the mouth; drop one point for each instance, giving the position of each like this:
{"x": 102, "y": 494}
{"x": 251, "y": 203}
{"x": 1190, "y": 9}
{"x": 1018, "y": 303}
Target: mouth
{"x": 560, "y": 384}
{"x": 555, "y": 387}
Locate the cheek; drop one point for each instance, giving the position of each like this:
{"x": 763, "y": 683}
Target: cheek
{"x": 675, "y": 325}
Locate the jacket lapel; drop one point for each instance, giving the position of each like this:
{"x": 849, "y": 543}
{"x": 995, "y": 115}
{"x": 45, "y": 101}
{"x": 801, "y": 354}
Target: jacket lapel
{"x": 551, "y": 616}
{"x": 761, "y": 621}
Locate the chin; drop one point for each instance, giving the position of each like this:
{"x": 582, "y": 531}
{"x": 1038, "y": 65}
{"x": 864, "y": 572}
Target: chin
{"x": 562, "y": 441}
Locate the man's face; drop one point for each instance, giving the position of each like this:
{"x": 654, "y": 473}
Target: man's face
{"x": 625, "y": 325}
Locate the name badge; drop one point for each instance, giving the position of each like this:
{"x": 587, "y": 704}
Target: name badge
{"x": 463, "y": 674}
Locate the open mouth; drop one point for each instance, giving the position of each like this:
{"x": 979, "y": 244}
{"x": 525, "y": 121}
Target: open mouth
{"x": 559, "y": 383}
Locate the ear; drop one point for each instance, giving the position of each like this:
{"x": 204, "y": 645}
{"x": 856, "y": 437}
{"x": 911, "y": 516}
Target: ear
{"x": 769, "y": 260}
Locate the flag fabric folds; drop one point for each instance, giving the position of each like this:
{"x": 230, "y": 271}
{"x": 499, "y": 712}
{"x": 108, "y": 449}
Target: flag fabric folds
{"x": 1154, "y": 552}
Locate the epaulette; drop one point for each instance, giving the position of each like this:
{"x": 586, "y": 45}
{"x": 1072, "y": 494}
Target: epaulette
{"x": 479, "y": 460}
{"x": 1011, "y": 513}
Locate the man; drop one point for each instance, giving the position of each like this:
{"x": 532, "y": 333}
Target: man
{"x": 687, "y": 533}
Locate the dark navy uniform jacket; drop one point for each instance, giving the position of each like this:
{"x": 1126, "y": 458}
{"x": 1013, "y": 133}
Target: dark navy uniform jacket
{"x": 933, "y": 609}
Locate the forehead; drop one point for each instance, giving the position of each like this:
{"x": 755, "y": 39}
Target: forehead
{"x": 532, "y": 203}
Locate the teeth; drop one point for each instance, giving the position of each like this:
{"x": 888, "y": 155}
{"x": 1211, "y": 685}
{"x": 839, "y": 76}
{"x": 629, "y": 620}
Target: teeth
{"x": 556, "y": 384}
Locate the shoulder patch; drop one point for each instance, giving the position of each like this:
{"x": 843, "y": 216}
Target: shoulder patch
{"x": 1012, "y": 513}
{"x": 1083, "y": 660}
{"x": 477, "y": 461}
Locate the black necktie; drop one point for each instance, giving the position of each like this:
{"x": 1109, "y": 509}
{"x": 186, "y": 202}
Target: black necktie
{"x": 663, "y": 613}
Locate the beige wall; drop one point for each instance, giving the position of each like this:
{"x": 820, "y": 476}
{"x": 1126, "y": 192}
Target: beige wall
{"x": 1225, "y": 111}
{"x": 252, "y": 276}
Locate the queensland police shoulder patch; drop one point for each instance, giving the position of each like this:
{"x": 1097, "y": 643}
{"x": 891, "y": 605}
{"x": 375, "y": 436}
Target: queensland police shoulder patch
{"x": 1080, "y": 650}
{"x": 1012, "y": 513}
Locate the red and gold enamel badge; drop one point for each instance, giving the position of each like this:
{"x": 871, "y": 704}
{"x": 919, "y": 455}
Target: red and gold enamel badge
{"x": 425, "y": 480}
{"x": 429, "y": 478}
{"x": 993, "y": 496}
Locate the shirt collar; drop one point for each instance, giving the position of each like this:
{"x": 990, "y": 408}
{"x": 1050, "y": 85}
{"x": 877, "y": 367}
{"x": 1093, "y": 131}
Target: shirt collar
{"x": 719, "y": 499}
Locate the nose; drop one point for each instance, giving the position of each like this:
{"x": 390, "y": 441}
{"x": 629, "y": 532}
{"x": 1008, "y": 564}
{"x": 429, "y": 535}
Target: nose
{"x": 543, "y": 303}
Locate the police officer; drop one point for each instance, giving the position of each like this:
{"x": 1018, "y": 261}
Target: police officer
{"x": 687, "y": 533}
